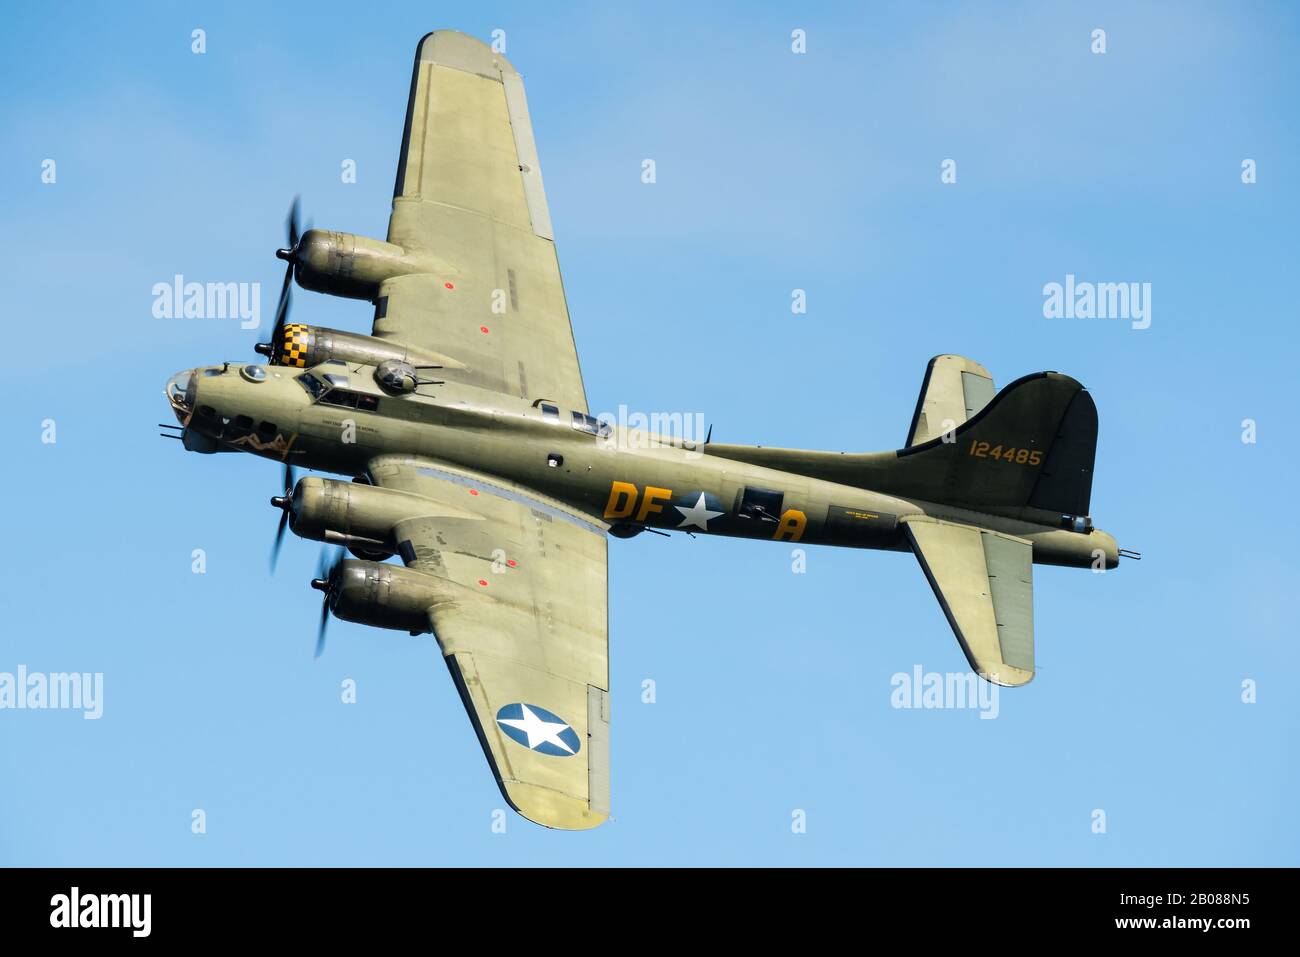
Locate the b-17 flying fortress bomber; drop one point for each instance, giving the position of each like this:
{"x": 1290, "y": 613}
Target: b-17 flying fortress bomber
{"x": 463, "y": 431}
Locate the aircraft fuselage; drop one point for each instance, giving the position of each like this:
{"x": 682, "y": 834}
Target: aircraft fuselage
{"x": 629, "y": 480}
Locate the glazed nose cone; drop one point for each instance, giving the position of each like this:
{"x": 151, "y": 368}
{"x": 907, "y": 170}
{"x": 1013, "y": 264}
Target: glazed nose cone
{"x": 180, "y": 392}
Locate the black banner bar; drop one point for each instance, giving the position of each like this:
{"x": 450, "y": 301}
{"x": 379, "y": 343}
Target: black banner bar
{"x": 333, "y": 905}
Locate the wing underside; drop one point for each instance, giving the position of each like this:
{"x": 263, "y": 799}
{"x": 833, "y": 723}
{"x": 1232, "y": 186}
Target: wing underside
{"x": 521, "y": 621}
{"x": 469, "y": 190}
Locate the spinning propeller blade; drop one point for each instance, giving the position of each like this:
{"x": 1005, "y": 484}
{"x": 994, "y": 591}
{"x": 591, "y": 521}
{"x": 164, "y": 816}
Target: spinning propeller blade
{"x": 326, "y": 581}
{"x": 290, "y": 255}
{"x": 285, "y": 504}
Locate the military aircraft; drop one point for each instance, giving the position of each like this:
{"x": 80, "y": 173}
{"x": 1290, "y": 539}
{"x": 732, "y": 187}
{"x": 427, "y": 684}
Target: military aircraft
{"x": 462, "y": 424}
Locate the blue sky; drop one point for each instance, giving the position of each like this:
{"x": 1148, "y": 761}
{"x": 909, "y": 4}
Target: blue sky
{"x": 775, "y": 171}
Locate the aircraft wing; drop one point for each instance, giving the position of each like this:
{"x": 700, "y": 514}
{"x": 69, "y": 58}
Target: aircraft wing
{"x": 984, "y": 581}
{"x": 469, "y": 191}
{"x": 954, "y": 389}
{"x": 522, "y": 623}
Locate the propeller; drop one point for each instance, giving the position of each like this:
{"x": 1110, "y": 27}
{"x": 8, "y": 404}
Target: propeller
{"x": 326, "y": 581}
{"x": 290, "y": 255}
{"x": 284, "y": 503}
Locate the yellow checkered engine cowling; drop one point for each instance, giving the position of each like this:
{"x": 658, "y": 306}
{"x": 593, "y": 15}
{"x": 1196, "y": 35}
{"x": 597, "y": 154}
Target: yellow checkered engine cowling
{"x": 294, "y": 345}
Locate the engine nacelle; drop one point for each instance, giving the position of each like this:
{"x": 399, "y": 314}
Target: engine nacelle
{"x": 344, "y": 264}
{"x": 302, "y": 346}
{"x": 348, "y": 513}
{"x": 384, "y": 596}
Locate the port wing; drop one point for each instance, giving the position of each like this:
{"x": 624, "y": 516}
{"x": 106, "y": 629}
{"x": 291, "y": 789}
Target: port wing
{"x": 469, "y": 190}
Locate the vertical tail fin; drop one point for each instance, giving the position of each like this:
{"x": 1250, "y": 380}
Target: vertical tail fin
{"x": 1032, "y": 445}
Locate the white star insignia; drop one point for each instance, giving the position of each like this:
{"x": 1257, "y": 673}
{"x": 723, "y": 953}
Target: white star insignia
{"x": 697, "y": 515}
{"x": 538, "y": 731}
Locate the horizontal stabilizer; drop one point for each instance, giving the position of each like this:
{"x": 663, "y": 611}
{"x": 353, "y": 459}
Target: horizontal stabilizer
{"x": 984, "y": 581}
{"x": 954, "y": 389}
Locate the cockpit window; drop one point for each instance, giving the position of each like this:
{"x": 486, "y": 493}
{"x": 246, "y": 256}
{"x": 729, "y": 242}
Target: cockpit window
{"x": 330, "y": 393}
{"x": 589, "y": 423}
{"x": 351, "y": 400}
{"x": 550, "y": 411}
{"x": 312, "y": 384}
